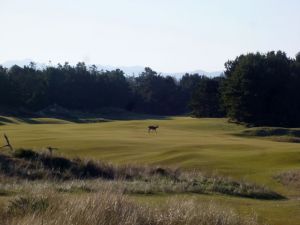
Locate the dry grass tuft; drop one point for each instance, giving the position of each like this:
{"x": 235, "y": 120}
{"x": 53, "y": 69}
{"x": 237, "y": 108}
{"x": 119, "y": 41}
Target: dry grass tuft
{"x": 289, "y": 178}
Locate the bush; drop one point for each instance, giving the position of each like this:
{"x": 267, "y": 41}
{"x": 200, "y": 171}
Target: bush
{"x": 24, "y": 205}
{"x": 25, "y": 154}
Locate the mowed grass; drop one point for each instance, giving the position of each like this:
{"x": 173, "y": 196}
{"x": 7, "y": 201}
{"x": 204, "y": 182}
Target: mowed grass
{"x": 210, "y": 145}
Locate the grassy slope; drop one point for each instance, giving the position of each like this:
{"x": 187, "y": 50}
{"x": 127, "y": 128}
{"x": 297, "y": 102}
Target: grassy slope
{"x": 207, "y": 144}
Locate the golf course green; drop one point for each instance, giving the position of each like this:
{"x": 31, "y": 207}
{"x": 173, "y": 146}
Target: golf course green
{"x": 208, "y": 145}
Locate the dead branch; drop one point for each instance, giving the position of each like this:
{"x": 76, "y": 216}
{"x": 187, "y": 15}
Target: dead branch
{"x": 50, "y": 149}
{"x": 7, "y": 143}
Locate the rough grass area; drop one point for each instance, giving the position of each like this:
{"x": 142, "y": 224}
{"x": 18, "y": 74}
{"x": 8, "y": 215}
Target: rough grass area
{"x": 275, "y": 134}
{"x": 272, "y": 131}
{"x": 287, "y": 139}
{"x": 290, "y": 178}
{"x": 110, "y": 208}
{"x": 28, "y": 164}
{"x": 202, "y": 185}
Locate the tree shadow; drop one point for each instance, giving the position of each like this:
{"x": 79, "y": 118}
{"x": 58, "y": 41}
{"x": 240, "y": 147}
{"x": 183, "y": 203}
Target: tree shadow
{"x": 74, "y": 116}
{"x": 83, "y": 120}
{"x": 4, "y": 120}
{"x": 29, "y": 120}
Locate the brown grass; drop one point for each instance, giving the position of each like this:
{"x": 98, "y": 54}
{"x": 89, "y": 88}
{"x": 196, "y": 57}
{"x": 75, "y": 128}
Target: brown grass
{"x": 289, "y": 178}
{"x": 111, "y": 208}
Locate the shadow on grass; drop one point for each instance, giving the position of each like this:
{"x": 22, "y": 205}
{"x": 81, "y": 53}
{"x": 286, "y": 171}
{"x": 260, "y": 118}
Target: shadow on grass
{"x": 278, "y": 134}
{"x": 105, "y": 114}
{"x": 4, "y": 120}
{"x": 109, "y": 118}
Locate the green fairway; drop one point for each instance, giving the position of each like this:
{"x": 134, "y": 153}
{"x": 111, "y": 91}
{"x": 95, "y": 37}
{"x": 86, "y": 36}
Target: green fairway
{"x": 205, "y": 144}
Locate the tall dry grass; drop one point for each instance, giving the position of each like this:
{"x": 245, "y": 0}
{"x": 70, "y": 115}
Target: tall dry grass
{"x": 111, "y": 208}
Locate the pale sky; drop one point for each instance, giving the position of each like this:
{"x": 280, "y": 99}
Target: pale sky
{"x": 167, "y": 35}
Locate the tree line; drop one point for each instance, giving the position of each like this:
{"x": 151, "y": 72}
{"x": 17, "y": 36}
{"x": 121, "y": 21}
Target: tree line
{"x": 88, "y": 89}
{"x": 256, "y": 88}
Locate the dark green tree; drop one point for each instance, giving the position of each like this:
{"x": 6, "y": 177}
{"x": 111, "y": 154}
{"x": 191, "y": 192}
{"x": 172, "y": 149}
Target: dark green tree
{"x": 258, "y": 89}
{"x": 206, "y": 99}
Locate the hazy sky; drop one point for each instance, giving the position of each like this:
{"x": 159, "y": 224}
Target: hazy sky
{"x": 167, "y": 35}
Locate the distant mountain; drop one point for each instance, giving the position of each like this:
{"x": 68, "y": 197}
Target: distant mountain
{"x": 200, "y": 72}
{"x": 136, "y": 70}
{"x": 128, "y": 70}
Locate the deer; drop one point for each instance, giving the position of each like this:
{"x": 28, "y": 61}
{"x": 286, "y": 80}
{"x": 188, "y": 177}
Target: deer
{"x": 152, "y": 127}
